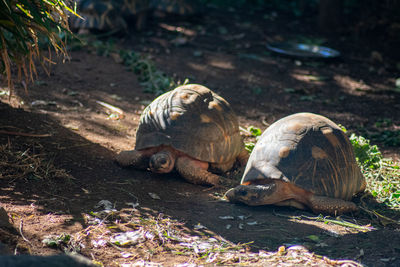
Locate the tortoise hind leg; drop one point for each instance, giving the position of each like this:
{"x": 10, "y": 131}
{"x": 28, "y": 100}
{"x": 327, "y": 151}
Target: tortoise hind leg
{"x": 319, "y": 204}
{"x": 243, "y": 157}
{"x": 195, "y": 171}
{"x": 221, "y": 167}
{"x": 135, "y": 158}
{"x": 333, "y": 206}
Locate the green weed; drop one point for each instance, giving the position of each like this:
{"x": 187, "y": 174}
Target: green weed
{"x": 254, "y": 133}
{"x": 56, "y": 241}
{"x": 153, "y": 80}
{"x": 382, "y": 174}
{"x": 386, "y": 137}
{"x": 368, "y": 156}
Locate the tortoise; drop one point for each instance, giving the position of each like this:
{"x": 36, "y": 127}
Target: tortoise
{"x": 303, "y": 160}
{"x": 190, "y": 129}
{"x": 106, "y": 15}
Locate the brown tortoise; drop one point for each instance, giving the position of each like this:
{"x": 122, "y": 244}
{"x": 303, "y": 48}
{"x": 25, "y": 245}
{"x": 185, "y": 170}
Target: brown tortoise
{"x": 191, "y": 129}
{"x": 302, "y": 160}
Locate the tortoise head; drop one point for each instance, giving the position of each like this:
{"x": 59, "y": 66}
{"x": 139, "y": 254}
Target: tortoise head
{"x": 253, "y": 194}
{"x": 162, "y": 162}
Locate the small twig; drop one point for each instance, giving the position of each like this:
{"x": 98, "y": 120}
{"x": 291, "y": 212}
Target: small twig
{"x": 381, "y": 217}
{"x": 24, "y": 134}
{"x": 264, "y": 122}
{"x": 57, "y": 196}
{"x": 363, "y": 228}
{"x": 115, "y": 246}
{"x": 287, "y": 216}
{"x": 69, "y": 147}
{"x": 326, "y": 220}
{"x": 259, "y": 230}
{"x": 22, "y": 235}
{"x": 111, "y": 107}
{"x": 245, "y": 130}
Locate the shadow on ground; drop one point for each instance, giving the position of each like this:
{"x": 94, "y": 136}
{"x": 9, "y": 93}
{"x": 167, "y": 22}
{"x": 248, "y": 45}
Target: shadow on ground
{"x": 58, "y": 204}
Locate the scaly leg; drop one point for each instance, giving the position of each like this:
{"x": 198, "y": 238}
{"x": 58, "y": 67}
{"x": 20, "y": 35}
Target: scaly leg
{"x": 135, "y": 158}
{"x": 333, "y": 206}
{"x": 243, "y": 157}
{"x": 195, "y": 171}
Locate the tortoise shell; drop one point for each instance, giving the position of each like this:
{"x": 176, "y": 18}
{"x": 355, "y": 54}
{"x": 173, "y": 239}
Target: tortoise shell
{"x": 194, "y": 120}
{"x": 309, "y": 151}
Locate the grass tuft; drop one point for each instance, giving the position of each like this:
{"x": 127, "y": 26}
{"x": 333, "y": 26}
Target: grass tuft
{"x": 382, "y": 174}
{"x": 252, "y": 134}
{"x": 15, "y": 164}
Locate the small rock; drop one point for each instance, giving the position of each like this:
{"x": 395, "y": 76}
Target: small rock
{"x": 226, "y": 217}
{"x": 154, "y": 196}
{"x": 106, "y": 204}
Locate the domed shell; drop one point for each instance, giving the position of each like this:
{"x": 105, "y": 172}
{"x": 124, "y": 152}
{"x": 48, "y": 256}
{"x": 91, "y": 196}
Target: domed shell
{"x": 310, "y": 151}
{"x": 193, "y": 120}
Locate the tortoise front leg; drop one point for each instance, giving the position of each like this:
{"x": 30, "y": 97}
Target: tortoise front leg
{"x": 135, "y": 158}
{"x": 195, "y": 171}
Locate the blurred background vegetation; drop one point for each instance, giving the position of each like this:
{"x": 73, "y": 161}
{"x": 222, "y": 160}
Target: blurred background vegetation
{"x": 28, "y": 25}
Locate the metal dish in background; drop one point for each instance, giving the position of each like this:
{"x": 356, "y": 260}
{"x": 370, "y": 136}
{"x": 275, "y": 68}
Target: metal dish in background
{"x": 303, "y": 50}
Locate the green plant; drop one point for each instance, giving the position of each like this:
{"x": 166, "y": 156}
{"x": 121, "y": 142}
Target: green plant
{"x": 383, "y": 132}
{"x": 367, "y": 155}
{"x": 254, "y": 133}
{"x": 23, "y": 26}
{"x": 383, "y": 123}
{"x": 387, "y": 137}
{"x": 152, "y": 79}
{"x": 56, "y": 240}
{"x": 382, "y": 174}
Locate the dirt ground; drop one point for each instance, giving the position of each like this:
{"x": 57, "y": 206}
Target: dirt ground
{"x": 225, "y": 51}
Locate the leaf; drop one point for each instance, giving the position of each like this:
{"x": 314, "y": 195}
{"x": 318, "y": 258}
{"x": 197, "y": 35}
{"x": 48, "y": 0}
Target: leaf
{"x": 313, "y": 238}
{"x": 226, "y": 217}
{"x": 289, "y": 90}
{"x": 154, "y": 196}
{"x": 254, "y": 131}
{"x": 398, "y": 83}
{"x": 249, "y": 146}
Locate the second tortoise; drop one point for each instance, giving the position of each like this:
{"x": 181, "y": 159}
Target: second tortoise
{"x": 303, "y": 160}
